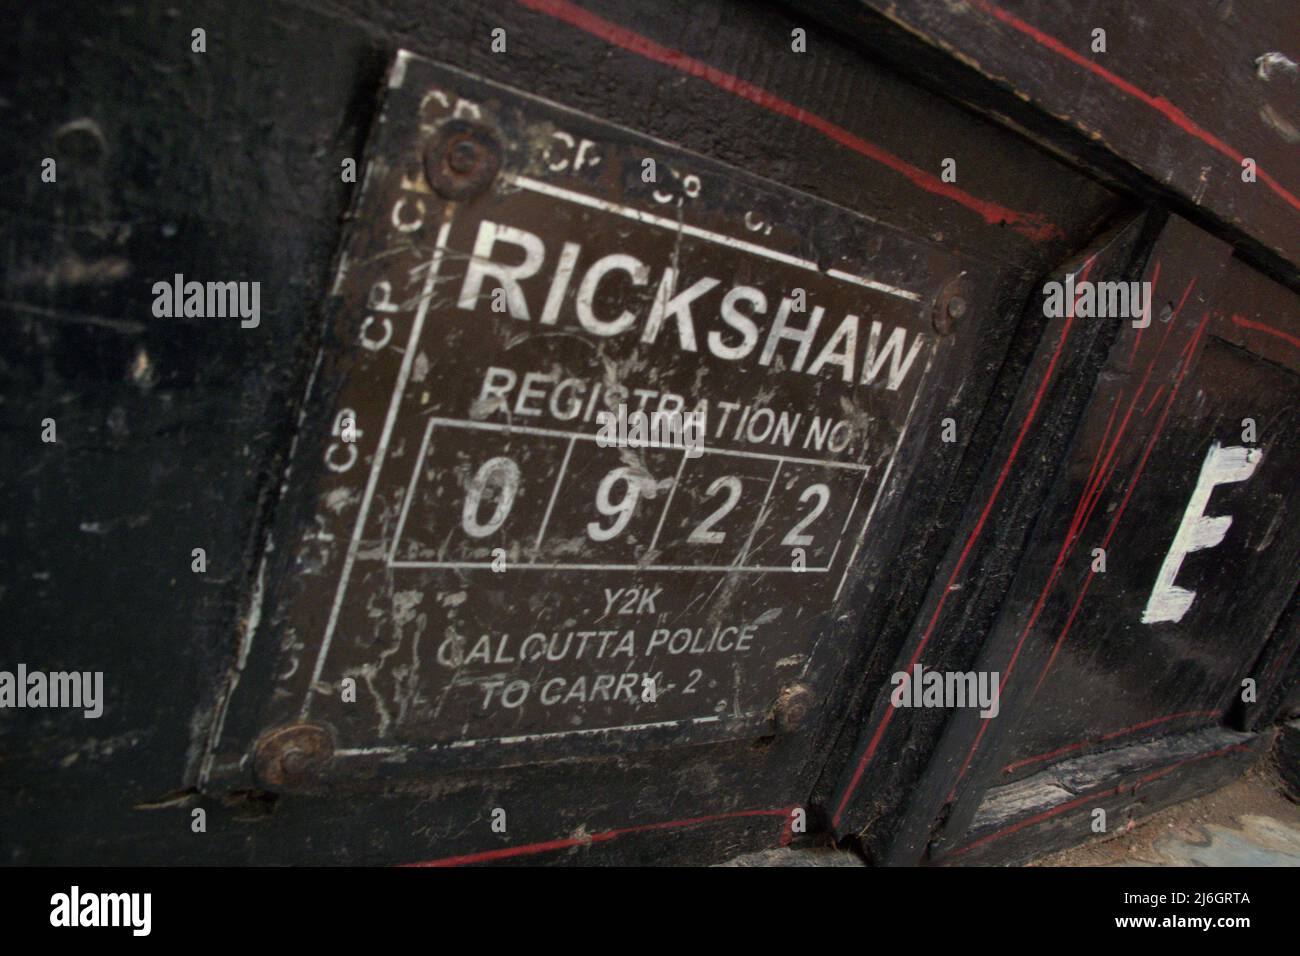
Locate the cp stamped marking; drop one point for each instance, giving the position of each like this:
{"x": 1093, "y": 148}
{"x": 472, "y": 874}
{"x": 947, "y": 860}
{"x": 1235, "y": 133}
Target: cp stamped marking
{"x": 491, "y": 563}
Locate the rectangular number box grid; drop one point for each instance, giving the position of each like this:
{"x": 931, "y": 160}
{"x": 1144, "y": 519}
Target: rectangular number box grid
{"x": 573, "y": 436}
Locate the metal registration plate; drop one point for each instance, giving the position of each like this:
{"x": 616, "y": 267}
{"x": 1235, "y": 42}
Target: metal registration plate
{"x": 490, "y": 563}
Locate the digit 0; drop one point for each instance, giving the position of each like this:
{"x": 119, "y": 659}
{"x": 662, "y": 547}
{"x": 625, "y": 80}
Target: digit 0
{"x": 500, "y": 474}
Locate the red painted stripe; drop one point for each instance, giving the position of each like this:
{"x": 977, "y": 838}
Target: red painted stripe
{"x": 1095, "y": 472}
{"x": 1181, "y": 302}
{"x": 965, "y": 552}
{"x": 1137, "y": 339}
{"x": 1075, "y": 531}
{"x": 1246, "y": 323}
{"x": 1035, "y": 819}
{"x": 1071, "y": 536}
{"x": 1112, "y": 461}
{"x": 1107, "y": 469}
{"x": 1112, "y": 458}
{"x": 1154, "y": 398}
{"x": 1076, "y": 527}
{"x": 1099, "y": 795}
{"x": 1032, "y": 225}
{"x": 530, "y": 849}
{"x": 1188, "y": 351}
{"x": 1093, "y": 496}
{"x": 1013, "y": 767}
{"x": 1158, "y": 103}
{"x": 1165, "y": 771}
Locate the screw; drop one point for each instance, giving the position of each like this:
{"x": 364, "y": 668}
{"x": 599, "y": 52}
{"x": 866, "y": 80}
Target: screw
{"x": 949, "y": 307}
{"x": 462, "y": 159}
{"x": 791, "y": 707}
{"x": 291, "y": 754}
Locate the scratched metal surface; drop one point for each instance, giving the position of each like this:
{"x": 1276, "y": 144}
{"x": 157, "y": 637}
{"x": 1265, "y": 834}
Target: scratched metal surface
{"x": 176, "y": 433}
{"x": 500, "y": 585}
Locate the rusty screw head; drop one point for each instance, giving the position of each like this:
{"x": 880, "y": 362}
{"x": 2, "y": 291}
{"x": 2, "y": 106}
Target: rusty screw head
{"x": 791, "y": 708}
{"x": 292, "y": 754}
{"x": 949, "y": 308}
{"x": 462, "y": 159}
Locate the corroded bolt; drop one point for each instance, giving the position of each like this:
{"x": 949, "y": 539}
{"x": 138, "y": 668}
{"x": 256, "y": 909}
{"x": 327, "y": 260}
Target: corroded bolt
{"x": 462, "y": 158}
{"x": 949, "y": 307}
{"x": 292, "y": 754}
{"x": 792, "y": 707}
